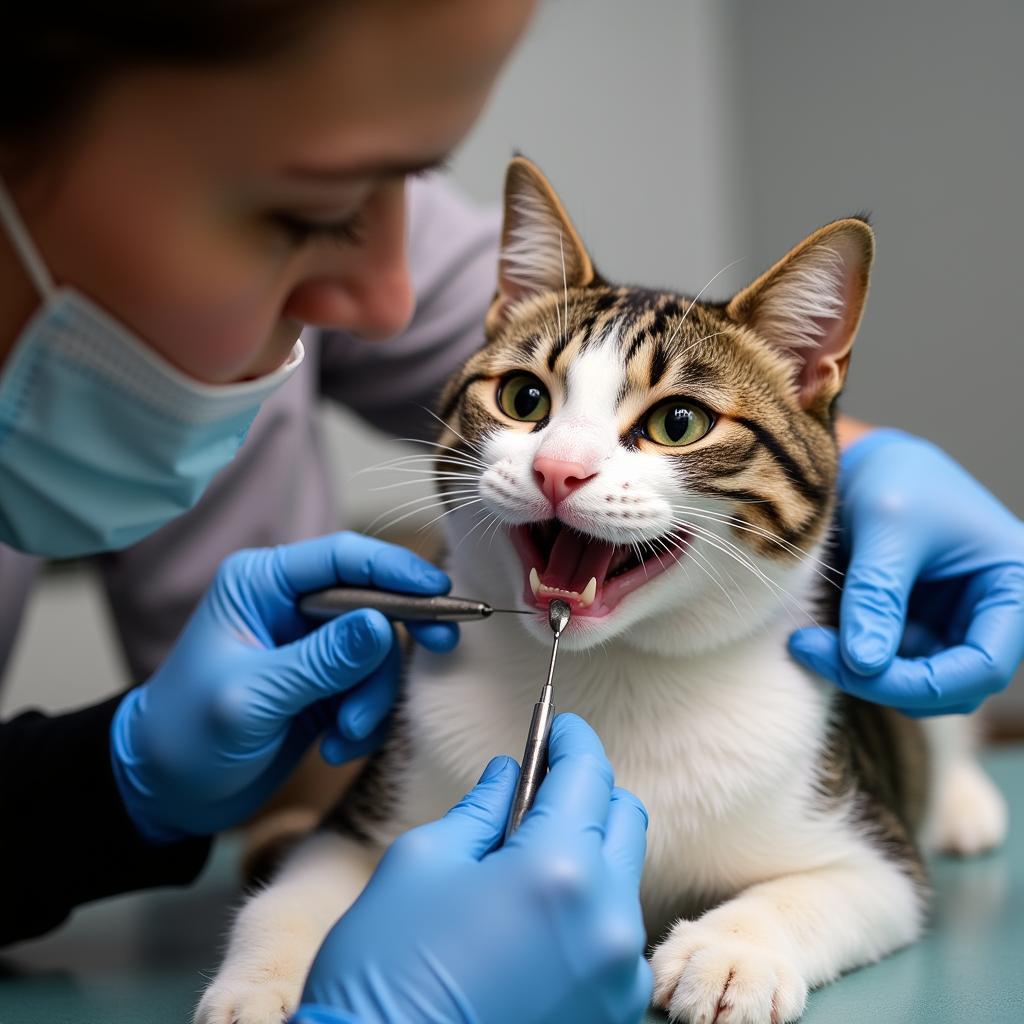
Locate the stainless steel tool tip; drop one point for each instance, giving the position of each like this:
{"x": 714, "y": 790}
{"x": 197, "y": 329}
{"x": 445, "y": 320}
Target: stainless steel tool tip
{"x": 558, "y": 616}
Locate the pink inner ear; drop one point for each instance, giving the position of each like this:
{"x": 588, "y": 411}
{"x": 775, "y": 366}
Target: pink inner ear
{"x": 824, "y": 364}
{"x": 511, "y": 289}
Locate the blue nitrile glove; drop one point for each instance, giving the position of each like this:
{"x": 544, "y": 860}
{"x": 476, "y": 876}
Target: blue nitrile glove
{"x": 545, "y": 929}
{"x": 936, "y": 574}
{"x": 251, "y": 682}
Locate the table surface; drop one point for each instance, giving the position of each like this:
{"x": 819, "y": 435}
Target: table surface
{"x": 142, "y": 959}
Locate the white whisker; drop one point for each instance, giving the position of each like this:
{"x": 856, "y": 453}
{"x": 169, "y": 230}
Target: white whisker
{"x": 448, "y": 512}
{"x": 736, "y": 554}
{"x": 446, "y": 447}
{"x": 441, "y": 479}
{"x": 740, "y": 524}
{"x": 487, "y": 514}
{"x": 565, "y": 286}
{"x": 448, "y": 426}
{"x": 696, "y": 298}
{"x": 424, "y": 503}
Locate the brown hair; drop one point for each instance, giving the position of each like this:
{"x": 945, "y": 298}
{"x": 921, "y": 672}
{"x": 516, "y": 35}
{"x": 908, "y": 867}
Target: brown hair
{"x": 55, "y": 56}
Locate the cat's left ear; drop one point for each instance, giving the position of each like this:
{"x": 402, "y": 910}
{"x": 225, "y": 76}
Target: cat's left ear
{"x": 540, "y": 249}
{"x": 808, "y": 306}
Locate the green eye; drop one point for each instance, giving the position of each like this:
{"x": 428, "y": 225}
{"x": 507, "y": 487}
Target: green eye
{"x": 523, "y": 397}
{"x": 676, "y": 423}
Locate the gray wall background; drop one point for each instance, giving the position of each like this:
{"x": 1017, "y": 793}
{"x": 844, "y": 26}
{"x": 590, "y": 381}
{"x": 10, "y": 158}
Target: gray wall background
{"x": 685, "y": 134}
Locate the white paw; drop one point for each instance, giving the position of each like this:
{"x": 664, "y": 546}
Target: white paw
{"x": 708, "y": 974}
{"x": 970, "y": 817}
{"x": 234, "y": 1000}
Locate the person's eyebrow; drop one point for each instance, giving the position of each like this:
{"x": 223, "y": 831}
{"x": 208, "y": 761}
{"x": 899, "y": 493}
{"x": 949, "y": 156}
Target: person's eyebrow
{"x": 376, "y": 169}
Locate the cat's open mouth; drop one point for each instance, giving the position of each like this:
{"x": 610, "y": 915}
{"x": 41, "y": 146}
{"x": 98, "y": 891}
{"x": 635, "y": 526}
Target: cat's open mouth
{"x": 592, "y": 575}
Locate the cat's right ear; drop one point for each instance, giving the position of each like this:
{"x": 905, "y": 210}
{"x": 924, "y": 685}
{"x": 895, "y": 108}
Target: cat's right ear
{"x": 540, "y": 249}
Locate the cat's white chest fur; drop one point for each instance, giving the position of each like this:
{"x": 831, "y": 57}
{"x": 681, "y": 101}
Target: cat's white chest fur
{"x": 722, "y": 748}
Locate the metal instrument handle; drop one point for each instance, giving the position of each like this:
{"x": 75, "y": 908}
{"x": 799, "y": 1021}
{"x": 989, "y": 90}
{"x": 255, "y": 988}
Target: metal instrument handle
{"x": 328, "y": 604}
{"x": 535, "y": 763}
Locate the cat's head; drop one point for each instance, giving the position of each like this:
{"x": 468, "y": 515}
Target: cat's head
{"x": 662, "y": 462}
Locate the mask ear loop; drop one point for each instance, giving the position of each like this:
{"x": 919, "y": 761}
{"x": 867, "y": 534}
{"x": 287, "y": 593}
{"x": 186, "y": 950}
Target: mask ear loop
{"x": 31, "y": 259}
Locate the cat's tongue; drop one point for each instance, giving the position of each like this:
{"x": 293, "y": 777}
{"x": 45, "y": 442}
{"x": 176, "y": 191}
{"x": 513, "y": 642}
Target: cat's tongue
{"x": 576, "y": 567}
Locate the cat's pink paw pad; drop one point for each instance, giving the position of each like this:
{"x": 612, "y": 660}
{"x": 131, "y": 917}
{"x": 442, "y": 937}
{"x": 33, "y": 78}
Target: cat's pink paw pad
{"x": 706, "y": 975}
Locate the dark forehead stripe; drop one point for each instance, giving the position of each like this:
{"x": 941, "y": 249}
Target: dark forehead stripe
{"x": 634, "y": 346}
{"x": 634, "y": 301}
{"x": 698, "y": 374}
{"x": 592, "y": 309}
{"x": 603, "y": 302}
{"x": 666, "y": 307}
{"x": 527, "y": 348}
{"x": 556, "y": 350}
{"x": 659, "y": 363}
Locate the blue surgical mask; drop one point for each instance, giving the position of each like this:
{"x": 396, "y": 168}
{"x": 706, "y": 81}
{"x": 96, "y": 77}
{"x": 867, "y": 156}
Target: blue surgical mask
{"x": 102, "y": 441}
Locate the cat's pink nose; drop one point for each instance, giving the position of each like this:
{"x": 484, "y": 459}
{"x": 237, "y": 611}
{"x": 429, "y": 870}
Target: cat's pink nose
{"x": 557, "y": 479}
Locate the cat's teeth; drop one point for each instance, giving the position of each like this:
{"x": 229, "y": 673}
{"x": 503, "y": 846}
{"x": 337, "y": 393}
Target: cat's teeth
{"x": 586, "y": 599}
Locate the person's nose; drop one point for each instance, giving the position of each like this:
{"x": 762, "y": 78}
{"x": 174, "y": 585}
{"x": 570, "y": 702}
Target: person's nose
{"x": 367, "y": 289}
{"x": 558, "y": 479}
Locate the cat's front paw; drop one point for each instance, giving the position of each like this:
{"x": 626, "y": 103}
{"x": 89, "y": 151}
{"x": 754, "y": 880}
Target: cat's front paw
{"x": 708, "y": 974}
{"x": 243, "y": 1001}
{"x": 971, "y": 816}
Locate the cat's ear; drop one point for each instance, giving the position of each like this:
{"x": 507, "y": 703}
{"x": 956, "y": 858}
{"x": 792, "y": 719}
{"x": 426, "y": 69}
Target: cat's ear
{"x": 808, "y": 306}
{"x": 540, "y": 249}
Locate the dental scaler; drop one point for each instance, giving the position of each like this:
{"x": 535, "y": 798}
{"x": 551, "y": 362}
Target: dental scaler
{"x": 328, "y": 604}
{"x": 535, "y": 756}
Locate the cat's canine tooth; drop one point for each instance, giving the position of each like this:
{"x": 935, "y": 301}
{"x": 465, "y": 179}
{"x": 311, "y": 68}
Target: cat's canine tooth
{"x": 589, "y": 593}
{"x": 534, "y": 582}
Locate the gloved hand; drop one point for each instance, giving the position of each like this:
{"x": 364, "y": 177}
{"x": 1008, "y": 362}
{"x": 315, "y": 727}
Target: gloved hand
{"x": 251, "y": 682}
{"x": 936, "y": 573}
{"x": 545, "y": 929}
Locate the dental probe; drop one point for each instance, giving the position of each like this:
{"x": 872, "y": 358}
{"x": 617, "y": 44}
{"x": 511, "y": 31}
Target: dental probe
{"x": 535, "y": 757}
{"x": 329, "y": 604}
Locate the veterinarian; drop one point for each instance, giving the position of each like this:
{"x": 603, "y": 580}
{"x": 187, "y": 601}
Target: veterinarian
{"x": 184, "y": 189}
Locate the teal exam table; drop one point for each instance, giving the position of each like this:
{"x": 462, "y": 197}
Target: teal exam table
{"x": 142, "y": 959}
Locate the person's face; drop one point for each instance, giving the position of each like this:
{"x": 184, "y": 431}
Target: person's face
{"x": 216, "y": 213}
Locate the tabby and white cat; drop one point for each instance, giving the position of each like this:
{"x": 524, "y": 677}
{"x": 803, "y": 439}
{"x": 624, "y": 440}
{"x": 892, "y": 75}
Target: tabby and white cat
{"x": 666, "y": 465}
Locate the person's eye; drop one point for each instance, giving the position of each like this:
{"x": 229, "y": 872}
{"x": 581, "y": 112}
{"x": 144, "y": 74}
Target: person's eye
{"x": 676, "y": 423}
{"x": 522, "y": 397}
{"x": 301, "y": 231}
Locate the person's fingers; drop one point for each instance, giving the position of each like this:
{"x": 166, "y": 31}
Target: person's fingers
{"x": 997, "y": 622}
{"x": 333, "y": 658}
{"x": 476, "y": 824}
{"x": 625, "y": 840}
{"x": 876, "y": 589}
{"x": 817, "y": 648}
{"x": 574, "y": 798}
{"x": 955, "y": 677}
{"x": 643, "y": 989}
{"x": 358, "y": 561}
{"x": 439, "y": 637}
{"x": 335, "y": 749}
{"x": 365, "y": 707}
{"x": 992, "y": 648}
{"x": 956, "y": 709}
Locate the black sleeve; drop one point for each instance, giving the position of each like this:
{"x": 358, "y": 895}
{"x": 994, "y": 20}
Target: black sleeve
{"x": 65, "y": 837}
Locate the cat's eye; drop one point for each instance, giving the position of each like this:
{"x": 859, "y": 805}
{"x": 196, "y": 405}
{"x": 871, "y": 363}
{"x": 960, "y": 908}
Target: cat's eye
{"x": 523, "y": 397}
{"x": 676, "y": 423}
